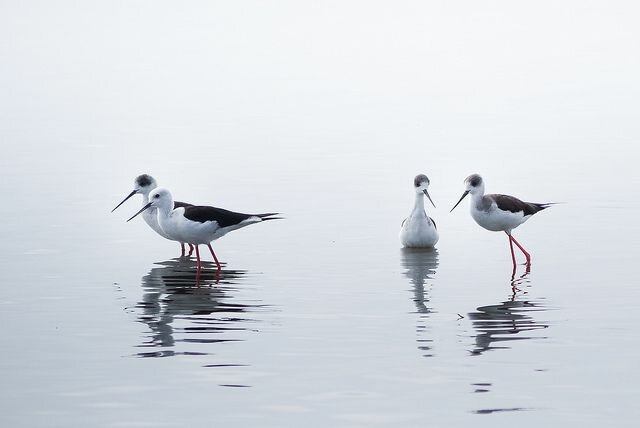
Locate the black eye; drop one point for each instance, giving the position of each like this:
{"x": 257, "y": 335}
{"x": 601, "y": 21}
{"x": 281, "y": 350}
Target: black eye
{"x": 156, "y": 196}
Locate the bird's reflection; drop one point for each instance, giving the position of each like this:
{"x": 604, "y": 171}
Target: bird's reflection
{"x": 510, "y": 320}
{"x": 421, "y": 265}
{"x": 181, "y": 312}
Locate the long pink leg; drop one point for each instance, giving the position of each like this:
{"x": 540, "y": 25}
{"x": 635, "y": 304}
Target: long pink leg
{"x": 182, "y": 246}
{"x": 214, "y": 257}
{"x": 190, "y": 249}
{"x": 513, "y": 256}
{"x": 198, "y": 258}
{"x": 522, "y": 249}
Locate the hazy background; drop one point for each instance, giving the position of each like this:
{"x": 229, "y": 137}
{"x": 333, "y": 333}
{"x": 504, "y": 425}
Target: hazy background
{"x": 448, "y": 88}
{"x": 324, "y": 111}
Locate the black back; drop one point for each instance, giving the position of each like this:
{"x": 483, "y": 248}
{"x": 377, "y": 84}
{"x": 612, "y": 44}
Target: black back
{"x": 515, "y": 205}
{"x": 178, "y": 204}
{"x": 223, "y": 217}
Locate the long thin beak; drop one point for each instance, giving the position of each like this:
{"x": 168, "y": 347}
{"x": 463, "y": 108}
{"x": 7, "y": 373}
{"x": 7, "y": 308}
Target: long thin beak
{"x": 429, "y": 197}
{"x": 143, "y": 208}
{"x": 466, "y": 192}
{"x": 125, "y": 200}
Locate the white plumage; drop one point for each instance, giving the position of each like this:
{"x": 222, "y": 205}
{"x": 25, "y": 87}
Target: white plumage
{"x": 419, "y": 230}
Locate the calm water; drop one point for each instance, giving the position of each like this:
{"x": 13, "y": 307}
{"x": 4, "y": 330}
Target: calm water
{"x": 321, "y": 318}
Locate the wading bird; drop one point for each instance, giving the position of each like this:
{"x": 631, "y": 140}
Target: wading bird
{"x": 419, "y": 230}
{"x": 499, "y": 213}
{"x": 198, "y": 224}
{"x": 144, "y": 184}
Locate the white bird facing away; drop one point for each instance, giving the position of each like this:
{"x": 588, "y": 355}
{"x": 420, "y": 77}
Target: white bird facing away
{"x": 419, "y": 230}
{"x": 198, "y": 224}
{"x": 144, "y": 184}
{"x": 499, "y": 213}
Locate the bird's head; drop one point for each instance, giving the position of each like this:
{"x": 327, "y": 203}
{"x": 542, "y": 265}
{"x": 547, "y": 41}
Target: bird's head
{"x": 421, "y": 184}
{"x": 473, "y": 184}
{"x": 158, "y": 198}
{"x": 143, "y": 184}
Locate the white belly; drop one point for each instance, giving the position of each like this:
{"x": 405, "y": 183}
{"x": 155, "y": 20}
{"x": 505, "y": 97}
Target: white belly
{"x": 497, "y": 220}
{"x": 418, "y": 233}
{"x": 193, "y": 232}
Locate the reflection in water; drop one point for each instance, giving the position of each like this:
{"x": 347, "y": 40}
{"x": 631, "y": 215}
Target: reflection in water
{"x": 421, "y": 265}
{"x": 506, "y": 321}
{"x": 490, "y": 411}
{"x": 178, "y": 311}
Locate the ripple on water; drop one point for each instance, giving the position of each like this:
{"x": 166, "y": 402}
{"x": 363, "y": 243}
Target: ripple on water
{"x": 181, "y": 313}
{"x": 506, "y": 321}
{"x": 420, "y": 266}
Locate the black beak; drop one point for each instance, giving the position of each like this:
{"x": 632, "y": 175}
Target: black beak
{"x": 466, "y": 192}
{"x": 143, "y": 208}
{"x": 125, "y": 200}
{"x": 427, "y": 193}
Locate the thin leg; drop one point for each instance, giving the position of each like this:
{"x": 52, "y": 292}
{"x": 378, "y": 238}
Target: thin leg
{"x": 513, "y": 255}
{"x": 514, "y": 291}
{"x": 522, "y": 249}
{"x": 214, "y": 257}
{"x": 190, "y": 250}
{"x": 182, "y": 246}
{"x": 198, "y": 258}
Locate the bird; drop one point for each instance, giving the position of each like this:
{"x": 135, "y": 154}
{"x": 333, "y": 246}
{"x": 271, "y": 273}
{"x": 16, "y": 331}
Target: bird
{"x": 419, "y": 230}
{"x": 499, "y": 213}
{"x": 198, "y": 224}
{"x": 144, "y": 184}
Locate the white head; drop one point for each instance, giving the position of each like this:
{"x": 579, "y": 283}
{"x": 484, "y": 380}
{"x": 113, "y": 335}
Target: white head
{"x": 421, "y": 184}
{"x": 143, "y": 184}
{"x": 473, "y": 184}
{"x": 158, "y": 198}
{"x": 161, "y": 198}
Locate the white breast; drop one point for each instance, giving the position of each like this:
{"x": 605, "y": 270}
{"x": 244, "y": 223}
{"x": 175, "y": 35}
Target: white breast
{"x": 175, "y": 224}
{"x": 150, "y": 217}
{"x": 419, "y": 232}
{"x": 497, "y": 220}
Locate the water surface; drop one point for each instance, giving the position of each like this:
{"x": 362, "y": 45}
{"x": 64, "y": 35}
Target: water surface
{"x": 321, "y": 318}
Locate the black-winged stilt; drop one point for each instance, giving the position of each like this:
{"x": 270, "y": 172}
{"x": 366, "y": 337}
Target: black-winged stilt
{"x": 144, "y": 184}
{"x": 198, "y": 224}
{"x": 499, "y": 213}
{"x": 419, "y": 230}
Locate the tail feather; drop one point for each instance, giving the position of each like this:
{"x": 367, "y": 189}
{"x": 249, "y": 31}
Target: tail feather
{"x": 541, "y": 206}
{"x": 269, "y": 216}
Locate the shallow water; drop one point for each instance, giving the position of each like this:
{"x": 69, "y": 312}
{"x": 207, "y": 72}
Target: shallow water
{"x": 320, "y": 318}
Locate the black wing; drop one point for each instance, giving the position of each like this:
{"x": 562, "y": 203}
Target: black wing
{"x": 515, "y": 205}
{"x": 178, "y": 204}
{"x": 223, "y": 217}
